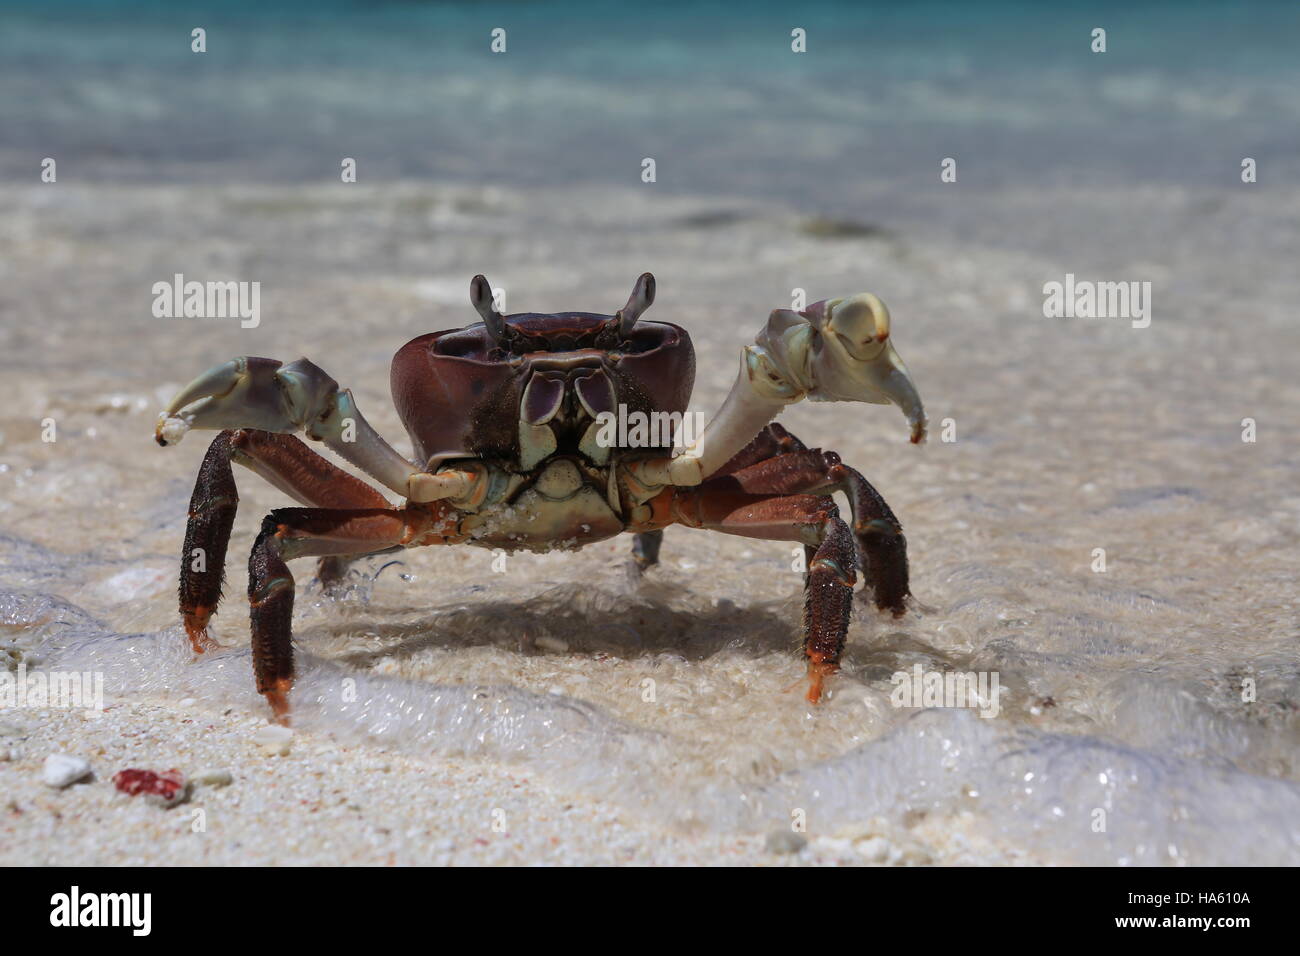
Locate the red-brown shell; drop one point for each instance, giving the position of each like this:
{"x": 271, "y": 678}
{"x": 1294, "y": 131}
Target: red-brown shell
{"x": 459, "y": 393}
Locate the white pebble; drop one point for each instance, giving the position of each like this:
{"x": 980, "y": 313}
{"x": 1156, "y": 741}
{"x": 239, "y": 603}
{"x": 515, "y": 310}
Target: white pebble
{"x": 274, "y": 739}
{"x": 172, "y": 429}
{"x": 62, "y": 770}
{"x": 552, "y": 644}
{"x": 213, "y": 777}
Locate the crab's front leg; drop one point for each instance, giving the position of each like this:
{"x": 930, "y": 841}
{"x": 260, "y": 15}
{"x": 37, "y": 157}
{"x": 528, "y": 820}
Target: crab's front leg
{"x": 286, "y": 463}
{"x": 835, "y": 350}
{"x": 261, "y": 393}
{"x": 289, "y": 533}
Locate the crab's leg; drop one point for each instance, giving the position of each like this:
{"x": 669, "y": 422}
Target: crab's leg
{"x": 771, "y": 441}
{"x": 835, "y": 350}
{"x": 777, "y": 462}
{"x": 207, "y": 534}
{"x": 288, "y": 464}
{"x": 882, "y": 549}
{"x": 815, "y": 521}
{"x": 282, "y": 460}
{"x": 261, "y": 393}
{"x": 289, "y": 533}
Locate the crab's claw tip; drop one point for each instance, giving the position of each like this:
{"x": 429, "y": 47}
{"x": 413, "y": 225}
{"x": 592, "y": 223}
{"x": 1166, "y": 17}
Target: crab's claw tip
{"x": 884, "y": 379}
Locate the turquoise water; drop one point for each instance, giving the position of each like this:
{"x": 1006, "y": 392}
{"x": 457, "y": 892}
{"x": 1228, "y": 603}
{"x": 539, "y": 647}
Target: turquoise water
{"x": 713, "y": 92}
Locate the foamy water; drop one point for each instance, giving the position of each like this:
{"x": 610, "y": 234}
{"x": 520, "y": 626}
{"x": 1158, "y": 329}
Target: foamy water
{"x": 1174, "y": 797}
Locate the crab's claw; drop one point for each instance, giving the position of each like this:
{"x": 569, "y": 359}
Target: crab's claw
{"x": 248, "y": 392}
{"x": 262, "y": 393}
{"x": 836, "y": 350}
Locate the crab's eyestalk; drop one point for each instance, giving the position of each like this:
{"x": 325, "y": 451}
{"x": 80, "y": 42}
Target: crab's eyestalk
{"x": 480, "y": 293}
{"x": 642, "y": 297}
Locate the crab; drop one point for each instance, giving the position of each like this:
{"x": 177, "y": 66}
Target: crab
{"x": 510, "y": 421}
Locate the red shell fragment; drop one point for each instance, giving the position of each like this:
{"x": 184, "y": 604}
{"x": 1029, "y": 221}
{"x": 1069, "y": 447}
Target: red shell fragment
{"x": 168, "y": 788}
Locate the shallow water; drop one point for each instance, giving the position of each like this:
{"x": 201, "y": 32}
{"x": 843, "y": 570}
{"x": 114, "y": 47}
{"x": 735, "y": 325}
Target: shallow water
{"x": 1121, "y": 691}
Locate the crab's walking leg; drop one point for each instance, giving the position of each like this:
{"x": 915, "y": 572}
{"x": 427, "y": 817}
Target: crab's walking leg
{"x": 827, "y": 602}
{"x": 882, "y": 549}
{"x": 261, "y": 393}
{"x": 207, "y": 534}
{"x": 770, "y": 442}
{"x": 815, "y": 521}
{"x": 289, "y": 533}
{"x": 282, "y": 460}
{"x": 773, "y": 440}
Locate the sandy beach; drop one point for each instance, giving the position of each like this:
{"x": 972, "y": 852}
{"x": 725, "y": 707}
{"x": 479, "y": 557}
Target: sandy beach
{"x": 522, "y": 691}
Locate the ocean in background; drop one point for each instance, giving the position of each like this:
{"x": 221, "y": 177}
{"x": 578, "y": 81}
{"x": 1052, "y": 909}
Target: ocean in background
{"x": 713, "y": 92}
{"x": 853, "y": 129}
